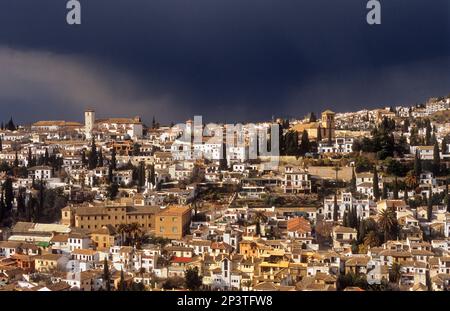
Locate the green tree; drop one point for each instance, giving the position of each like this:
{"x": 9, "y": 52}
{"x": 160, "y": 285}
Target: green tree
{"x": 388, "y": 223}
{"x": 106, "y": 275}
{"x": 417, "y": 164}
{"x": 223, "y": 163}
{"x": 395, "y": 190}
{"x": 113, "y": 190}
{"x": 100, "y": 158}
{"x": 193, "y": 279}
{"x": 428, "y": 133}
{"x": 436, "y": 159}
{"x": 430, "y": 209}
{"x": 10, "y": 126}
{"x": 122, "y": 283}
{"x": 141, "y": 175}
{"x": 384, "y": 193}
{"x": 371, "y": 239}
{"x": 345, "y": 219}
{"x": 16, "y": 160}
{"x": 376, "y": 187}
{"x": 305, "y": 145}
{"x": 291, "y": 143}
{"x": 353, "y": 181}
{"x": 113, "y": 158}
{"x": 83, "y": 157}
{"x": 335, "y": 209}
{"x": 46, "y": 157}
{"x": 361, "y": 230}
{"x": 151, "y": 175}
{"x": 443, "y": 145}
{"x": 93, "y": 155}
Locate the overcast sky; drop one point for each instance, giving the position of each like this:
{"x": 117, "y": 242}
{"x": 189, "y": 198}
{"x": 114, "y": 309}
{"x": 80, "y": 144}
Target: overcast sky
{"x": 227, "y": 60}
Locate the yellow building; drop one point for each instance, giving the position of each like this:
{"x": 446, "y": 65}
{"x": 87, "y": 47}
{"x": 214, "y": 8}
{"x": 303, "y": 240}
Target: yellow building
{"x": 94, "y": 217}
{"x": 49, "y": 262}
{"x": 173, "y": 222}
{"x": 321, "y": 128}
{"x": 105, "y": 237}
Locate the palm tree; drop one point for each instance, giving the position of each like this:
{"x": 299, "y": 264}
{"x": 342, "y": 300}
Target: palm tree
{"x": 122, "y": 229}
{"x": 411, "y": 180}
{"x": 134, "y": 230}
{"x": 371, "y": 239}
{"x": 388, "y": 222}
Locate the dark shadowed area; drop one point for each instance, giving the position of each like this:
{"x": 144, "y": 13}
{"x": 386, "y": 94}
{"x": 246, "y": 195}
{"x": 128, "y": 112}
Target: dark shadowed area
{"x": 227, "y": 60}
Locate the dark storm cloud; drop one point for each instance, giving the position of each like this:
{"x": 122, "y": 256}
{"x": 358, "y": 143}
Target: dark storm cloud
{"x": 227, "y": 60}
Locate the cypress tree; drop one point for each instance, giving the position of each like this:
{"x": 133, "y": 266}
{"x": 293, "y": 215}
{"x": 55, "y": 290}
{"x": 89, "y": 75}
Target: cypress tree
{"x": 428, "y": 133}
{"x": 396, "y": 188}
{"x": 141, "y": 175}
{"x": 9, "y": 194}
{"x": 29, "y": 158}
{"x": 430, "y": 208}
{"x": 406, "y": 195}
{"x": 330, "y": 136}
{"x": 353, "y": 181}
{"x": 384, "y": 193}
{"x": 304, "y": 144}
{"x": 443, "y": 146}
{"x": 110, "y": 173}
{"x": 319, "y": 134}
{"x": 2, "y": 206}
{"x": 436, "y": 159}
{"x": 335, "y": 209}
{"x": 223, "y": 163}
{"x": 93, "y": 155}
{"x": 376, "y": 187}
{"x": 21, "y": 210}
{"x": 83, "y": 157}
{"x": 1, "y": 143}
{"x": 113, "y": 158}
{"x": 100, "y": 158}
{"x": 355, "y": 217}
{"x": 447, "y": 199}
{"x": 40, "y": 206}
{"x": 16, "y": 160}
{"x": 10, "y": 126}
{"x": 122, "y": 284}
{"x": 106, "y": 275}
{"x": 151, "y": 175}
{"x": 361, "y": 230}
{"x": 417, "y": 164}
{"x": 345, "y": 219}
{"x": 46, "y": 157}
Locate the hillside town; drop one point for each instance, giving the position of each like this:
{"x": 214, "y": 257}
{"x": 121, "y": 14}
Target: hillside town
{"x": 357, "y": 201}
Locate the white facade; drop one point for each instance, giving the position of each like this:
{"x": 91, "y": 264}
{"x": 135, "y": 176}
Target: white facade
{"x": 345, "y": 203}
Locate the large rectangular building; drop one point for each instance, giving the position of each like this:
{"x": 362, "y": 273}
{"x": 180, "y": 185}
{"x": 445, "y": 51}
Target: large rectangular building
{"x": 173, "y": 222}
{"x": 94, "y": 217}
